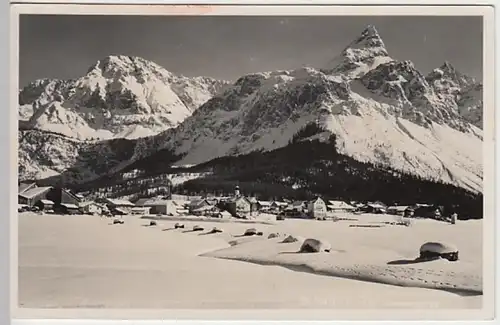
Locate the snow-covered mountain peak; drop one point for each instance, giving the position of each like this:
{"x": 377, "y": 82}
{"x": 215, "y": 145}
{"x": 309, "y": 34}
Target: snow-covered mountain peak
{"x": 463, "y": 93}
{"x": 419, "y": 101}
{"x": 117, "y": 66}
{"x": 369, "y": 39}
{"x": 379, "y": 110}
{"x": 119, "y": 97}
{"x": 447, "y": 78}
{"x": 389, "y": 116}
{"x": 364, "y": 53}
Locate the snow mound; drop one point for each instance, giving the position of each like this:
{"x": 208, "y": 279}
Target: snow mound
{"x": 293, "y": 239}
{"x": 438, "y": 248}
{"x": 312, "y": 245}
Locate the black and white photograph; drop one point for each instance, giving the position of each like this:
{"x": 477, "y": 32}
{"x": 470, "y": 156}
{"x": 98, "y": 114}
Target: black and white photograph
{"x": 217, "y": 162}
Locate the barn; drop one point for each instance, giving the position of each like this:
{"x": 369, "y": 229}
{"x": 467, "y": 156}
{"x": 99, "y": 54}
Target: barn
{"x": 90, "y": 207}
{"x": 200, "y": 205}
{"x": 161, "y": 206}
{"x": 339, "y": 206}
{"x": 376, "y": 208}
{"x": 297, "y": 206}
{"x": 117, "y": 206}
{"x": 32, "y": 195}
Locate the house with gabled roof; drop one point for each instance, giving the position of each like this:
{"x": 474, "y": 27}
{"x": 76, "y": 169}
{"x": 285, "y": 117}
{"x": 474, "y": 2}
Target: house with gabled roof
{"x": 200, "y": 205}
{"x": 162, "y": 206}
{"x": 264, "y": 205}
{"x": 239, "y": 206}
{"x": 339, "y": 206}
{"x": 118, "y": 206}
{"x": 254, "y": 205}
{"x": 279, "y": 205}
{"x": 298, "y": 206}
{"x": 91, "y": 207}
{"x": 31, "y": 195}
{"x": 316, "y": 208}
{"x": 374, "y": 207}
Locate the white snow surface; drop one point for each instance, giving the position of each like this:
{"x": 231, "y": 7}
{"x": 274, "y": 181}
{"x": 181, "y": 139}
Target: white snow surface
{"x": 59, "y": 267}
{"x": 180, "y": 178}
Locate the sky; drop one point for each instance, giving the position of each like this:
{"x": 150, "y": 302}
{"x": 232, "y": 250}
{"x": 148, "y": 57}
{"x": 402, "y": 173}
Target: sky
{"x": 227, "y": 47}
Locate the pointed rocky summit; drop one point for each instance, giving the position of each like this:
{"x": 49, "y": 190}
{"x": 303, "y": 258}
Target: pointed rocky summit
{"x": 363, "y": 54}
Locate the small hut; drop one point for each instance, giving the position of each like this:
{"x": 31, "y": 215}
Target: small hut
{"x": 45, "y": 205}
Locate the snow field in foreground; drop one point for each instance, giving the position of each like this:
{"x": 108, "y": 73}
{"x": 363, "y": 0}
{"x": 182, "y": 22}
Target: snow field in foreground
{"x": 84, "y": 261}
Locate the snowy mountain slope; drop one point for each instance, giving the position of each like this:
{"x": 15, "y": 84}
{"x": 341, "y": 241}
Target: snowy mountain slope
{"x": 43, "y": 154}
{"x": 119, "y": 97}
{"x": 391, "y": 116}
{"x": 381, "y": 111}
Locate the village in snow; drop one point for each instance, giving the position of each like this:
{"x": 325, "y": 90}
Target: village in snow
{"x": 50, "y": 200}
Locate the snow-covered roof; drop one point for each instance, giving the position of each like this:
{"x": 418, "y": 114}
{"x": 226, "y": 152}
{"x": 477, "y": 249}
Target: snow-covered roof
{"x": 25, "y": 186}
{"x": 278, "y": 203}
{"x": 46, "y": 201}
{"x": 69, "y": 205}
{"x": 35, "y": 191}
{"x": 120, "y": 210}
{"x": 376, "y": 206}
{"x": 398, "y": 208}
{"x": 118, "y": 202}
{"x": 87, "y": 203}
{"x": 333, "y": 204}
{"x": 264, "y": 203}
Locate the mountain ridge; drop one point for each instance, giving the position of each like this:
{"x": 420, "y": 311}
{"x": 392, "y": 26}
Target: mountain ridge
{"x": 118, "y": 97}
{"x": 382, "y": 111}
